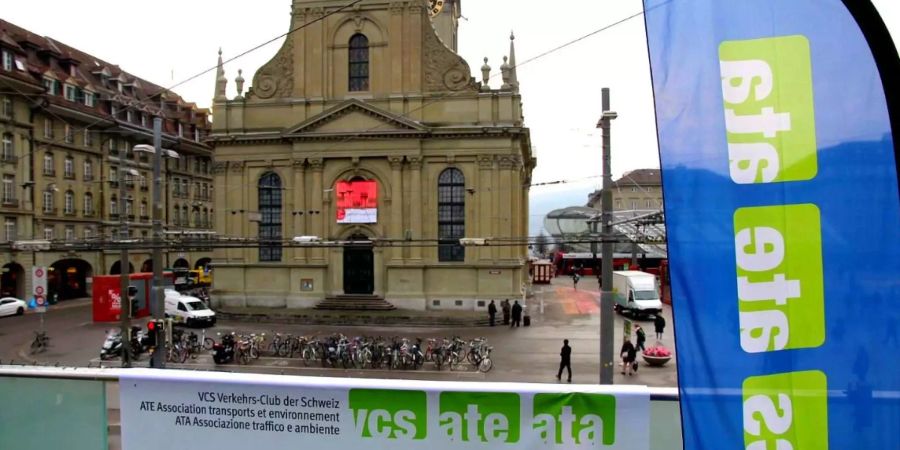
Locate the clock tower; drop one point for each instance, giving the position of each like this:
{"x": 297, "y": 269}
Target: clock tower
{"x": 445, "y": 16}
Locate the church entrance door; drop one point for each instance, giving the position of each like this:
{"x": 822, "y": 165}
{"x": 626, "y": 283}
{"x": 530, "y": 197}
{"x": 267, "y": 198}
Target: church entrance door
{"x": 359, "y": 268}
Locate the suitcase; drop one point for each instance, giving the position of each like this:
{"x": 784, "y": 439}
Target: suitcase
{"x": 526, "y": 321}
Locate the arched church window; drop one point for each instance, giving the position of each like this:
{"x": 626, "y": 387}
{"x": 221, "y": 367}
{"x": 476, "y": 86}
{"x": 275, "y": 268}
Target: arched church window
{"x": 451, "y": 215}
{"x": 359, "y": 63}
{"x": 270, "y": 220}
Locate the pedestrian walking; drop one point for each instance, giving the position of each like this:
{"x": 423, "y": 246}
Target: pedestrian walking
{"x": 516, "y": 314}
{"x": 575, "y": 278}
{"x": 565, "y": 360}
{"x": 660, "y": 324}
{"x": 504, "y": 305}
{"x": 628, "y": 354}
{"x": 641, "y": 337}
{"x": 492, "y": 312}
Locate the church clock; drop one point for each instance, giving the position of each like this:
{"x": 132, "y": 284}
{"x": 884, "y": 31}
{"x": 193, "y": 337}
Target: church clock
{"x": 435, "y": 7}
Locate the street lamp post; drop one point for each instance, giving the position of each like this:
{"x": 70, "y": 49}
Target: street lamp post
{"x": 124, "y": 301}
{"x": 157, "y": 296}
{"x": 606, "y": 295}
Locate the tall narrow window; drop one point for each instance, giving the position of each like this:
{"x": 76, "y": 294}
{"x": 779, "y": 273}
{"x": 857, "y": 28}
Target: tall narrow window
{"x": 359, "y": 63}
{"x": 9, "y": 152}
{"x": 69, "y": 204}
{"x": 451, "y": 215}
{"x": 270, "y": 222}
{"x": 88, "y": 204}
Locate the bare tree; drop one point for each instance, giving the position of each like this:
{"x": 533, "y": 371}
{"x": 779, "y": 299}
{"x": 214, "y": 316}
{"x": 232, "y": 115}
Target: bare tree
{"x": 540, "y": 245}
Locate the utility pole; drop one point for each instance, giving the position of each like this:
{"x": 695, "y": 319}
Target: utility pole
{"x": 157, "y": 296}
{"x": 124, "y": 300}
{"x": 606, "y": 296}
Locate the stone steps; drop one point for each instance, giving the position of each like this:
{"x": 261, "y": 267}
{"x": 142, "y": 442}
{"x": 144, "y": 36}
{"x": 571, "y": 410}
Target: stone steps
{"x": 356, "y": 318}
{"x": 355, "y": 303}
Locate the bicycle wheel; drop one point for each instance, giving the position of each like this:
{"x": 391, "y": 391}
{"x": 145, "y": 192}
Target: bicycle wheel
{"x": 244, "y": 357}
{"x": 308, "y": 356}
{"x": 486, "y": 365}
{"x": 183, "y": 354}
{"x": 253, "y": 352}
{"x": 283, "y": 349}
{"x": 455, "y": 361}
{"x": 208, "y": 343}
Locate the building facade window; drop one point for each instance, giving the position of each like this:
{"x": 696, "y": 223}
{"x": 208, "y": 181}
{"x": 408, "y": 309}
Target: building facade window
{"x": 88, "y": 170}
{"x": 88, "y": 233}
{"x": 7, "y": 61}
{"x": 114, "y": 206}
{"x": 49, "y": 168}
{"x": 89, "y": 99}
{"x": 70, "y": 233}
{"x": 143, "y": 208}
{"x": 69, "y": 204}
{"x": 451, "y": 215}
{"x": 269, "y": 191}
{"x": 48, "y": 202}
{"x": 69, "y": 167}
{"x": 48, "y": 233}
{"x": 88, "y": 138}
{"x": 114, "y": 174}
{"x": 9, "y": 189}
{"x": 184, "y": 217}
{"x": 184, "y": 188}
{"x": 68, "y": 134}
{"x": 359, "y": 63}
{"x": 48, "y": 127}
{"x": 129, "y": 207}
{"x": 70, "y": 92}
{"x": 9, "y": 229}
{"x": 8, "y": 151}
{"x": 88, "y": 204}
{"x": 7, "y": 107}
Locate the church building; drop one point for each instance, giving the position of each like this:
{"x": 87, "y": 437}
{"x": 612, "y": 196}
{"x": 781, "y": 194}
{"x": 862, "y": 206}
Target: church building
{"x": 360, "y": 156}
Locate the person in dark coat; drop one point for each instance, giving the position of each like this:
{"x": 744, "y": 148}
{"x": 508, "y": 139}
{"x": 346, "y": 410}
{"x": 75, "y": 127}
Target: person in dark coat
{"x": 504, "y": 305}
{"x": 516, "y": 314}
{"x": 641, "y": 338}
{"x": 659, "y": 323}
{"x": 628, "y": 354}
{"x": 492, "y": 312}
{"x": 565, "y": 360}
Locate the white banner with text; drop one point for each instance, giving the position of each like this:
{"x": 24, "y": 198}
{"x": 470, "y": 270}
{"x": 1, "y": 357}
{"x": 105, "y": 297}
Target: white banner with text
{"x": 223, "y": 411}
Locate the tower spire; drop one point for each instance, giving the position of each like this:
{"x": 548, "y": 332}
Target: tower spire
{"x": 513, "y": 78}
{"x": 221, "y": 81}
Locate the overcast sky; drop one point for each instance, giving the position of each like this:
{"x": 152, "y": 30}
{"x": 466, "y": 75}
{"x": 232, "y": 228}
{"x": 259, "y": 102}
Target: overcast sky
{"x": 167, "y": 41}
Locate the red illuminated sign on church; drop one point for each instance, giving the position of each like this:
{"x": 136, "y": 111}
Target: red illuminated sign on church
{"x": 357, "y": 201}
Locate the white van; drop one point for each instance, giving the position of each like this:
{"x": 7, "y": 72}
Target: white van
{"x": 188, "y": 310}
{"x": 636, "y": 292}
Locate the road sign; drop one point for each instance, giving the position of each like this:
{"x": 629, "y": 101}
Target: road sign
{"x": 39, "y": 285}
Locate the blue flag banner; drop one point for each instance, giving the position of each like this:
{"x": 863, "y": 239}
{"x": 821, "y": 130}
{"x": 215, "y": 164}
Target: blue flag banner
{"x": 783, "y": 219}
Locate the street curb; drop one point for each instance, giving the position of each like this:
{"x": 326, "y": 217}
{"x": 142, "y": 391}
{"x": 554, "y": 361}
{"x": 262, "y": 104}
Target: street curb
{"x": 353, "y": 320}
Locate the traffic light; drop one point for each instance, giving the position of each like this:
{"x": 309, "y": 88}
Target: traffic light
{"x": 154, "y": 328}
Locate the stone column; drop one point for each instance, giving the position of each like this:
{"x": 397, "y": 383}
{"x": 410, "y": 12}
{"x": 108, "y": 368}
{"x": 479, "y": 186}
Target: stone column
{"x": 484, "y": 224}
{"x": 315, "y": 222}
{"x": 220, "y": 192}
{"x": 396, "y": 231}
{"x": 235, "y": 203}
{"x": 299, "y": 211}
{"x": 415, "y": 206}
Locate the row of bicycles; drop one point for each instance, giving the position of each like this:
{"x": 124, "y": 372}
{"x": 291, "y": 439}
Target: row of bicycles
{"x": 338, "y": 350}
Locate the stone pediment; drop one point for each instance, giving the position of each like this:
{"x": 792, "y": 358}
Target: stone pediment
{"x": 355, "y": 117}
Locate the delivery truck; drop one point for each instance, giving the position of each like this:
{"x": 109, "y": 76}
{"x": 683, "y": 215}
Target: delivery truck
{"x": 636, "y": 293}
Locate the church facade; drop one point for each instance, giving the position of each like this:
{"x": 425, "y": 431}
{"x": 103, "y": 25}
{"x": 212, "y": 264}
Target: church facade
{"x": 367, "y": 139}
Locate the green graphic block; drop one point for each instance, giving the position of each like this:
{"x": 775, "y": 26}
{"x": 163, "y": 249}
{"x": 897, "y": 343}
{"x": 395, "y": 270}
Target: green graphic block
{"x": 575, "y": 419}
{"x": 480, "y": 417}
{"x": 390, "y": 414}
{"x": 770, "y": 122}
{"x": 791, "y": 407}
{"x": 779, "y": 277}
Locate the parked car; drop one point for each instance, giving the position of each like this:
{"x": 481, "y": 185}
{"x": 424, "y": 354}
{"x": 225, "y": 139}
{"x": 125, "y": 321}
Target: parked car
{"x": 12, "y": 306}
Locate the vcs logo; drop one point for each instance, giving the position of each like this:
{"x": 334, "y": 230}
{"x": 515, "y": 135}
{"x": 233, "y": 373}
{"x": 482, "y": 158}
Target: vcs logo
{"x": 387, "y": 414}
